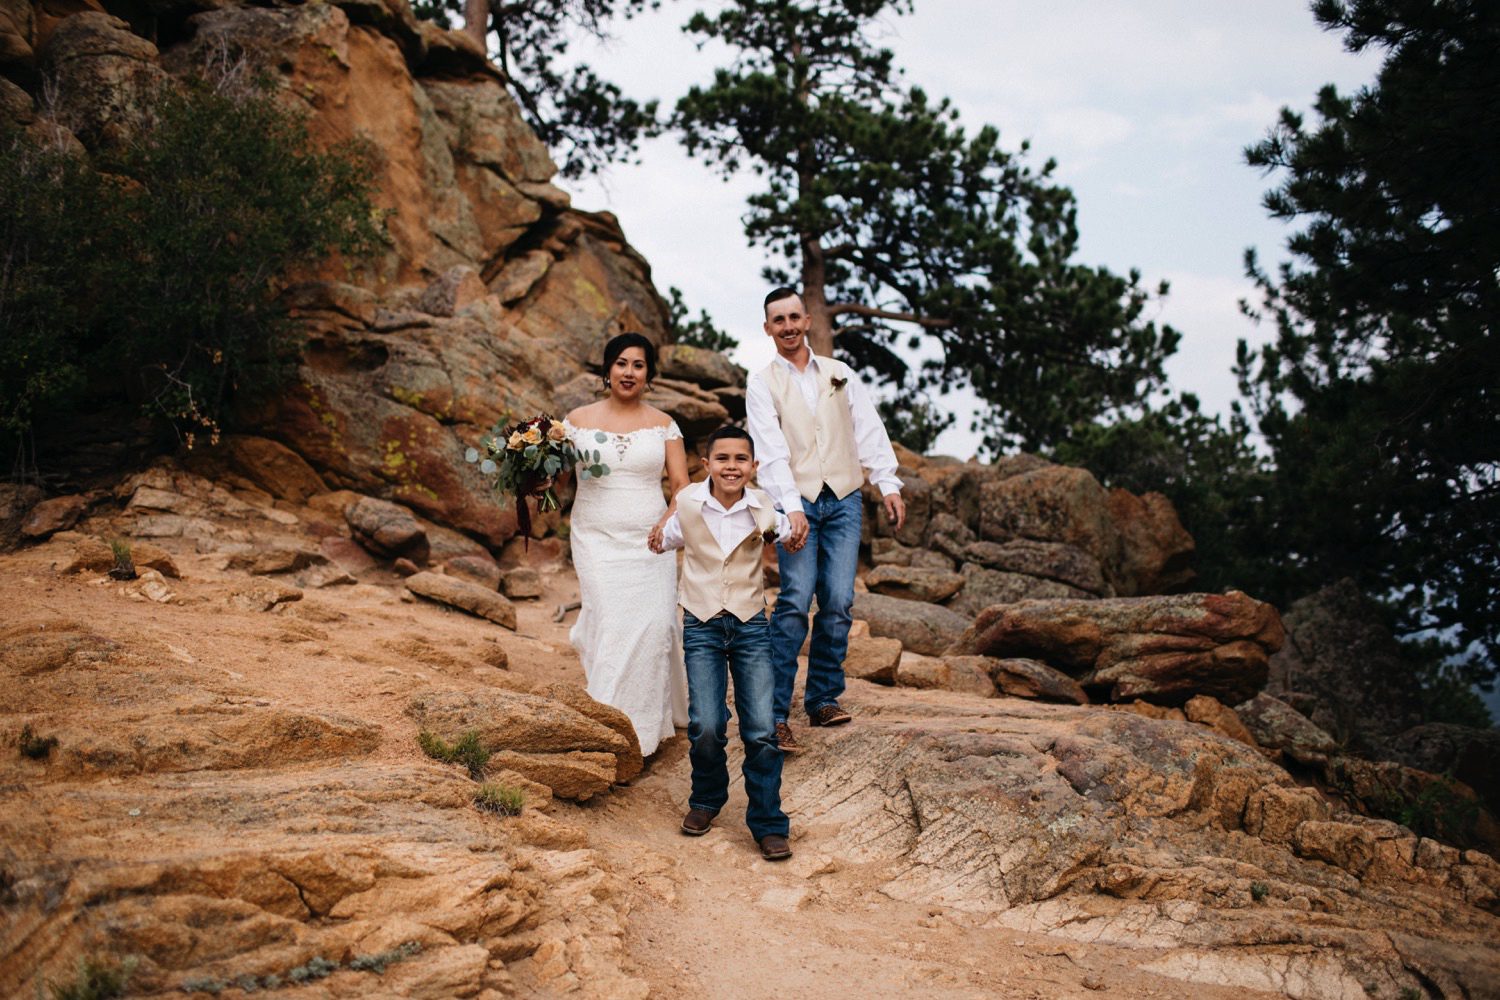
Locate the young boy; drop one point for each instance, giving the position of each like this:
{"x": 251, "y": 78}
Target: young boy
{"x": 723, "y": 525}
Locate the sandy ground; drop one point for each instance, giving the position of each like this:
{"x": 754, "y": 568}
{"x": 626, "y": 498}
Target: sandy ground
{"x": 707, "y": 916}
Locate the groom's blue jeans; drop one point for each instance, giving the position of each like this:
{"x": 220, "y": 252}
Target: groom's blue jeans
{"x": 743, "y": 648}
{"x": 824, "y": 567}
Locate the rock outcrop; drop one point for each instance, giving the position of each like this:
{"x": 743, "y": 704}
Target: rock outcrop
{"x": 1035, "y": 524}
{"x": 490, "y": 294}
{"x": 1163, "y": 649}
{"x": 223, "y": 788}
{"x": 1112, "y": 828}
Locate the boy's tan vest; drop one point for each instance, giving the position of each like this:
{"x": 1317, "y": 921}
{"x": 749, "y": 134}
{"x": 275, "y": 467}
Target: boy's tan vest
{"x": 821, "y": 443}
{"x": 710, "y": 581}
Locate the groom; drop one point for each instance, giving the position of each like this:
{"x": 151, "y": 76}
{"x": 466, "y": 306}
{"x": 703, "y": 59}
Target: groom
{"x": 817, "y": 435}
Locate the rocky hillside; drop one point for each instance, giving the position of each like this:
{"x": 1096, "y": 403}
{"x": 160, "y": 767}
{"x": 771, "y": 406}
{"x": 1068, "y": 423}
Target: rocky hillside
{"x": 491, "y": 292}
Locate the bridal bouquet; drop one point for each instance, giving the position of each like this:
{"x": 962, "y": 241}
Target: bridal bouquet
{"x": 525, "y": 459}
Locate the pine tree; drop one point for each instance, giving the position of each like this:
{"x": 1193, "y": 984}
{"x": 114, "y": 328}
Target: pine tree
{"x": 1380, "y": 395}
{"x": 907, "y": 235}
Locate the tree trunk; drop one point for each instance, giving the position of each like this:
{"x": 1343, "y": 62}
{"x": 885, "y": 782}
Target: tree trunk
{"x": 820, "y": 336}
{"x": 814, "y": 277}
{"x": 477, "y": 19}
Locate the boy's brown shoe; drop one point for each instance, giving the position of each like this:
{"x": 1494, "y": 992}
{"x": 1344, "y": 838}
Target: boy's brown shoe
{"x": 785, "y": 740}
{"x": 697, "y": 822}
{"x": 828, "y": 715}
{"x": 774, "y": 847}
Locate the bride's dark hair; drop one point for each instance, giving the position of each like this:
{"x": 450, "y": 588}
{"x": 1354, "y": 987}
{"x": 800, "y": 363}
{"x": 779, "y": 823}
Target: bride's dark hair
{"x": 617, "y": 345}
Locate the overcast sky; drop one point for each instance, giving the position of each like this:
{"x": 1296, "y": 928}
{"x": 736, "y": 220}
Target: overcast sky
{"x": 1146, "y": 107}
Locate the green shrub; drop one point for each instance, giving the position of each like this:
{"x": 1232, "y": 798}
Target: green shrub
{"x": 153, "y": 272}
{"x": 377, "y": 963}
{"x": 468, "y": 751}
{"x": 124, "y": 567}
{"x": 94, "y": 979}
{"x": 503, "y": 799}
{"x": 1259, "y": 891}
{"x": 316, "y": 968}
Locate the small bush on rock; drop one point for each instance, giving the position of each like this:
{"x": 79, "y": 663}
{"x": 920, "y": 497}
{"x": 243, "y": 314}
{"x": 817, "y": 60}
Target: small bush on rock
{"x": 502, "y": 799}
{"x": 468, "y": 751}
{"x": 377, "y": 963}
{"x": 94, "y": 979}
{"x": 124, "y": 567}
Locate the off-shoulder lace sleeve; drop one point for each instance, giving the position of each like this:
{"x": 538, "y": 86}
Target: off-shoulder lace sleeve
{"x": 674, "y": 433}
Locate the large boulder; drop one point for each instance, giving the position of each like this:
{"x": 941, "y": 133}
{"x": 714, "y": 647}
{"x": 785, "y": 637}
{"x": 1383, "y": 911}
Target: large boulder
{"x": 983, "y": 588}
{"x": 1048, "y": 560}
{"x": 388, "y": 529}
{"x": 710, "y": 369}
{"x": 1342, "y": 668}
{"x": 1162, "y": 649}
{"x": 1155, "y": 552}
{"x": 1020, "y": 678}
{"x": 54, "y": 515}
{"x": 1053, "y": 503}
{"x": 914, "y": 583}
{"x": 921, "y": 627}
{"x": 1138, "y": 542}
{"x": 873, "y": 659}
{"x": 961, "y": 674}
{"x": 17, "y": 37}
{"x": 459, "y": 593}
{"x": 103, "y": 77}
{"x": 539, "y": 735}
{"x": 1278, "y": 726}
{"x": 266, "y": 465}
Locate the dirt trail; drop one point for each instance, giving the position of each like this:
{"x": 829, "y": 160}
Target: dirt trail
{"x": 704, "y": 916}
{"x": 709, "y": 918}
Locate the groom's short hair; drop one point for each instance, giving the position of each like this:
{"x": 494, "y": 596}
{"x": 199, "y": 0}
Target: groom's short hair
{"x": 730, "y": 432}
{"x": 777, "y": 294}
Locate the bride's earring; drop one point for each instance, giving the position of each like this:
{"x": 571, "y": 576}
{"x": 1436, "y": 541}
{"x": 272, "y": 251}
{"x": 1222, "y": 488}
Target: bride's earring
{"x": 606, "y": 384}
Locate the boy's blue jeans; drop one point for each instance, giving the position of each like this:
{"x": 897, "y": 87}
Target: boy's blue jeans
{"x": 713, "y": 650}
{"x": 825, "y": 566}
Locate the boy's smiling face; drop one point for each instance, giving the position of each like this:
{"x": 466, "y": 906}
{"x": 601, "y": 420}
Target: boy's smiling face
{"x": 730, "y": 463}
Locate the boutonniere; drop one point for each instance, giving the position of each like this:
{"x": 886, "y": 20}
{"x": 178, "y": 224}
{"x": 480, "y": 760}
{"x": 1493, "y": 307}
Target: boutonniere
{"x": 838, "y": 383}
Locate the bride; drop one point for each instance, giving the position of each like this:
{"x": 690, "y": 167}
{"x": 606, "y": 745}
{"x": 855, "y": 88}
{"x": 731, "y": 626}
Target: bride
{"x": 627, "y": 634}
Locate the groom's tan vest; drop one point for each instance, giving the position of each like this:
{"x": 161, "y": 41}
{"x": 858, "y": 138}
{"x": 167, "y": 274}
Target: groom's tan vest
{"x": 821, "y": 442}
{"x": 712, "y": 582}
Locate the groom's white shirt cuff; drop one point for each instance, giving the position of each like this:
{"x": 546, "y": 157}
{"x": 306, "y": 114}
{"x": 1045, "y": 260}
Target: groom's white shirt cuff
{"x": 873, "y": 445}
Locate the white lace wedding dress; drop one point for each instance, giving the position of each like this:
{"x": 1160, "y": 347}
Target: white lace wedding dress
{"x": 628, "y": 633}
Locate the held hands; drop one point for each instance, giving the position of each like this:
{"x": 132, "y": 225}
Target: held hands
{"x": 798, "y": 537}
{"x": 654, "y": 539}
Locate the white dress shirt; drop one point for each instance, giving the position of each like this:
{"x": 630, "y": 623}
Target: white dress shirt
{"x": 728, "y": 526}
{"x": 870, "y": 440}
